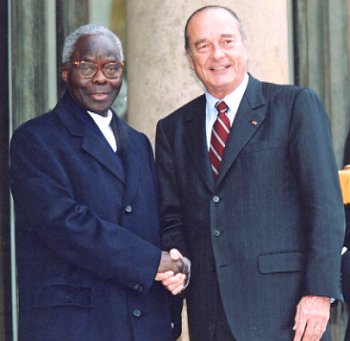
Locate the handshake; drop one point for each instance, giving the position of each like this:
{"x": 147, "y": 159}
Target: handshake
{"x": 174, "y": 271}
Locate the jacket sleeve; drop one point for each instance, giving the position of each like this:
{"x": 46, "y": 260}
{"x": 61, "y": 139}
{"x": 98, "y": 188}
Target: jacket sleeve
{"x": 170, "y": 202}
{"x": 313, "y": 163}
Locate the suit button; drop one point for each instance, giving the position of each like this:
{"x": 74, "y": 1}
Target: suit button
{"x": 216, "y": 198}
{"x": 136, "y": 313}
{"x": 216, "y": 233}
{"x": 128, "y": 209}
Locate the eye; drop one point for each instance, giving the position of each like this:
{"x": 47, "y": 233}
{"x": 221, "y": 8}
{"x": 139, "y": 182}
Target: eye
{"x": 86, "y": 66}
{"x": 112, "y": 67}
{"x": 202, "y": 47}
{"x": 229, "y": 41}
{"x": 112, "y": 70}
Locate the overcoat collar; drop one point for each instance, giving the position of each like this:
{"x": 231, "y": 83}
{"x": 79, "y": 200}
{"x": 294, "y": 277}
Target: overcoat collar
{"x": 250, "y": 115}
{"x": 76, "y": 120}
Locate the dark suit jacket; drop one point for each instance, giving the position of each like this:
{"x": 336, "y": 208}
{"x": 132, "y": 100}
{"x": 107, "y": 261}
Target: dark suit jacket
{"x": 87, "y": 231}
{"x": 271, "y": 228}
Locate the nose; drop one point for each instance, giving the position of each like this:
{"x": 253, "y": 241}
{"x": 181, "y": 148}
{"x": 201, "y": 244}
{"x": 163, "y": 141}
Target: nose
{"x": 99, "y": 77}
{"x": 218, "y": 51}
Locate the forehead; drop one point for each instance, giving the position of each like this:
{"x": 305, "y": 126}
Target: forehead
{"x": 212, "y": 21}
{"x": 93, "y": 45}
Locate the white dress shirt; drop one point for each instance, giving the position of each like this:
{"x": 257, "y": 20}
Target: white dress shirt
{"x": 232, "y": 100}
{"x": 104, "y": 123}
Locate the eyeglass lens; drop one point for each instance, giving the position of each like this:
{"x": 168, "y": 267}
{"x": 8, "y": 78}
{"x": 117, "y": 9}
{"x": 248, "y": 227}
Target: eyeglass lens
{"x": 110, "y": 70}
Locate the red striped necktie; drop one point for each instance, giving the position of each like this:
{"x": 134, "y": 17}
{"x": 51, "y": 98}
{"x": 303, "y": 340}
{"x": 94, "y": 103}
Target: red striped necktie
{"x": 219, "y": 135}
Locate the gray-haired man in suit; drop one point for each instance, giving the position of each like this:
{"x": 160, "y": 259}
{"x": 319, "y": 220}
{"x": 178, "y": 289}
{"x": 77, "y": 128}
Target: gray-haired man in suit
{"x": 262, "y": 223}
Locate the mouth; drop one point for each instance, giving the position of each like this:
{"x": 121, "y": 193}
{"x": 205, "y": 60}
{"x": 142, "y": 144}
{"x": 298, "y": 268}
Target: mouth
{"x": 219, "y": 68}
{"x": 99, "y": 96}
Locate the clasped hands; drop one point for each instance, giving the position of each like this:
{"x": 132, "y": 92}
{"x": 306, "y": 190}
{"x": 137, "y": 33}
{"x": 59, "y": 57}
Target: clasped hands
{"x": 173, "y": 271}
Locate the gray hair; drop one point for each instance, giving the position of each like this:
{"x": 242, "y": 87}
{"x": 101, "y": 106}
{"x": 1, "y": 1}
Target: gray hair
{"x": 73, "y": 37}
{"x": 234, "y": 15}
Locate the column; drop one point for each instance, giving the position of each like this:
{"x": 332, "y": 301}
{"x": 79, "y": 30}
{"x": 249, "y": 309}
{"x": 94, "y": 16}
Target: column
{"x": 29, "y": 66}
{"x": 5, "y": 282}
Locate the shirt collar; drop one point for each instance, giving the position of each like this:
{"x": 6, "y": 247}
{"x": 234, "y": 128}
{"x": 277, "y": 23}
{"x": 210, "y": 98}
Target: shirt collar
{"x": 232, "y": 100}
{"x": 101, "y": 121}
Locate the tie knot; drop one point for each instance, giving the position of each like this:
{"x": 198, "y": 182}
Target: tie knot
{"x": 221, "y": 107}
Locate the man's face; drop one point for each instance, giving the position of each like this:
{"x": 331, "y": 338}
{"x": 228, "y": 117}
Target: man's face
{"x": 97, "y": 93}
{"x": 218, "y": 53}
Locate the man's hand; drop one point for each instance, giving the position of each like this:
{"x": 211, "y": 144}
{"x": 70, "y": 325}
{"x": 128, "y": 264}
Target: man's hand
{"x": 311, "y": 318}
{"x": 174, "y": 280}
{"x": 174, "y": 283}
{"x": 171, "y": 261}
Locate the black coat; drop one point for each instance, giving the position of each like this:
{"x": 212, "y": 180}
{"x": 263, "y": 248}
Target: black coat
{"x": 270, "y": 229}
{"x": 87, "y": 232}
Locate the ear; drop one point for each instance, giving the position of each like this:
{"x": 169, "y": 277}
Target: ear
{"x": 64, "y": 73}
{"x": 189, "y": 58}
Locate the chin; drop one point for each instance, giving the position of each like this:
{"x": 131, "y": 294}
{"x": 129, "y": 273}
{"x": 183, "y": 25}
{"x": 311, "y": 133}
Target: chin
{"x": 98, "y": 110}
{"x": 99, "y": 107}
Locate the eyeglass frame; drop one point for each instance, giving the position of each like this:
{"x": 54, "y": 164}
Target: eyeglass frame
{"x": 76, "y": 63}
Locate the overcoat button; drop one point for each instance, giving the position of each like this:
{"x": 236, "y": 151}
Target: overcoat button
{"x": 216, "y": 233}
{"x": 216, "y": 198}
{"x": 136, "y": 313}
{"x": 128, "y": 209}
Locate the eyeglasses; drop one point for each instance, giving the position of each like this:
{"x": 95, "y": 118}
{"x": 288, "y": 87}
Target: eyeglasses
{"x": 89, "y": 69}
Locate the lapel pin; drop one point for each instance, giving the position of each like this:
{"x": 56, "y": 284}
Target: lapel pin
{"x": 253, "y": 122}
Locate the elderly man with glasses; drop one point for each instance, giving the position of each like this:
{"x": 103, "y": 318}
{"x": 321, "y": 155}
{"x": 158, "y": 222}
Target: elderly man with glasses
{"x": 87, "y": 228}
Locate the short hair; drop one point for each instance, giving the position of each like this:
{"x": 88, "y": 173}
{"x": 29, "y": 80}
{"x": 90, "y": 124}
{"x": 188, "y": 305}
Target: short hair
{"x": 72, "y": 38}
{"x": 234, "y": 15}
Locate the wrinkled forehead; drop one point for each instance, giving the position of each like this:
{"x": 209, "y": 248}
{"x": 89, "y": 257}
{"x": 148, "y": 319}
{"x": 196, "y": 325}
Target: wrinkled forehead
{"x": 92, "y": 46}
{"x": 212, "y": 19}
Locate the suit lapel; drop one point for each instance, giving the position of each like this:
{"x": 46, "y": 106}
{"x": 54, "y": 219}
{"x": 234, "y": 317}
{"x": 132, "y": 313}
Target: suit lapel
{"x": 96, "y": 147}
{"x": 196, "y": 142}
{"x": 71, "y": 115}
{"x": 128, "y": 152}
{"x": 250, "y": 115}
